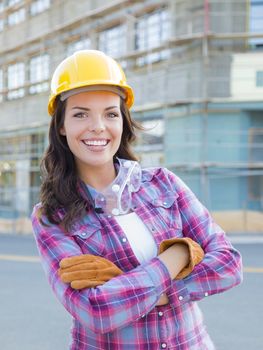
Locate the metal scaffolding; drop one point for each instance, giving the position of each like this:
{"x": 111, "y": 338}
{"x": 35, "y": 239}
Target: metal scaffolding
{"x": 209, "y": 54}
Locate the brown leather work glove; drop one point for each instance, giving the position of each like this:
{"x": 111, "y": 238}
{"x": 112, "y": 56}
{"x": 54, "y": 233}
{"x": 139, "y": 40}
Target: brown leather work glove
{"x": 196, "y": 253}
{"x": 87, "y": 271}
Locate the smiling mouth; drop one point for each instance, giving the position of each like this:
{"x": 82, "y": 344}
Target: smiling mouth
{"x": 96, "y": 143}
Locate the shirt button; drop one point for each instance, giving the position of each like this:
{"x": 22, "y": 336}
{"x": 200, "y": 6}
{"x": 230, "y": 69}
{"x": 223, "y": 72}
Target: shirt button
{"x": 160, "y": 313}
{"x": 206, "y": 294}
{"x": 164, "y": 203}
{"x": 115, "y": 188}
{"x": 153, "y": 229}
{"x": 180, "y": 297}
{"x": 143, "y": 316}
{"x": 124, "y": 239}
{"x": 101, "y": 199}
{"x": 164, "y": 346}
{"x": 83, "y": 234}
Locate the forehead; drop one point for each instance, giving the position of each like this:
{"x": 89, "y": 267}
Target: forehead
{"x": 94, "y": 98}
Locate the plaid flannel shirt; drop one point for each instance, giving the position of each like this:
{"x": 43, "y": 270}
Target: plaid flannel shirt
{"x": 121, "y": 314}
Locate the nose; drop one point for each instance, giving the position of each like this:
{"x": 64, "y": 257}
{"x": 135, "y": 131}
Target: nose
{"x": 97, "y": 126}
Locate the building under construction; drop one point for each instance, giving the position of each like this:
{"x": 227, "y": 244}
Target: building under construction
{"x": 197, "y": 71}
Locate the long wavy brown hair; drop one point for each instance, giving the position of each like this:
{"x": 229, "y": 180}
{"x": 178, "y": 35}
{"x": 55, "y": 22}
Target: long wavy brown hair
{"x": 59, "y": 174}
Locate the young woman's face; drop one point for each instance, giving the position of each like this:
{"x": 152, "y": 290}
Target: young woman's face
{"x": 93, "y": 128}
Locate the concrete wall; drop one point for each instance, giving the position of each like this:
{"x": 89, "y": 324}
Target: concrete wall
{"x": 27, "y": 111}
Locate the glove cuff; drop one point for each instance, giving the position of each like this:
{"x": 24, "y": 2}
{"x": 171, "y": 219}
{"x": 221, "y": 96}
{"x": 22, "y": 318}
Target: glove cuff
{"x": 196, "y": 253}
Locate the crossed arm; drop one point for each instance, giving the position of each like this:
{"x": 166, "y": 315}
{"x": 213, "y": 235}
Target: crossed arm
{"x": 179, "y": 255}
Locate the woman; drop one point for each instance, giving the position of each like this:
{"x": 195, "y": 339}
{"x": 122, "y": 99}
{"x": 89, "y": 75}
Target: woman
{"x": 126, "y": 251}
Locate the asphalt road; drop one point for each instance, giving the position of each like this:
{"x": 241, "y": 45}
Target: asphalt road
{"x": 32, "y": 319}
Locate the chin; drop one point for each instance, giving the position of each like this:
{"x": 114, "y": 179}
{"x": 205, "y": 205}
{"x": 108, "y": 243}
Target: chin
{"x": 100, "y": 161}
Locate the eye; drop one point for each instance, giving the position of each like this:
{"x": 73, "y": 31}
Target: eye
{"x": 80, "y": 115}
{"x": 113, "y": 115}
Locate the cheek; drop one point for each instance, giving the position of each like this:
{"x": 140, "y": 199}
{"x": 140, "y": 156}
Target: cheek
{"x": 72, "y": 137}
{"x": 71, "y": 131}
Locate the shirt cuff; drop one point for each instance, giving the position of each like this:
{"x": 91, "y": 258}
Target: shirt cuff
{"x": 178, "y": 294}
{"x": 159, "y": 274}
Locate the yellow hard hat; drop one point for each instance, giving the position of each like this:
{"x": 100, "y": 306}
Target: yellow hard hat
{"x": 87, "y": 68}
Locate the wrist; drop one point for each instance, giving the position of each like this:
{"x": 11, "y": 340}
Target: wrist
{"x": 175, "y": 258}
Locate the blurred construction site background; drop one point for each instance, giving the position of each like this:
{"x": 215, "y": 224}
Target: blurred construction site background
{"x": 197, "y": 71}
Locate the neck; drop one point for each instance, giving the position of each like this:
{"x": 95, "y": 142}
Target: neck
{"x": 99, "y": 177}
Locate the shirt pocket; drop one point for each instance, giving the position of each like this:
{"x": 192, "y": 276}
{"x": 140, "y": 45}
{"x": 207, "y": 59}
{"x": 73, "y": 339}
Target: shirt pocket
{"x": 89, "y": 239}
{"x": 167, "y": 211}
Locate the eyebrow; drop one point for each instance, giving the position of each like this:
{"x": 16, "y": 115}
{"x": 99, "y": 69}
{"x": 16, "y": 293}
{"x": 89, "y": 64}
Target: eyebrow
{"x": 88, "y": 109}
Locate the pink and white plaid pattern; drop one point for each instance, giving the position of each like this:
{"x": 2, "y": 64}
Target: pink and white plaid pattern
{"x": 121, "y": 314}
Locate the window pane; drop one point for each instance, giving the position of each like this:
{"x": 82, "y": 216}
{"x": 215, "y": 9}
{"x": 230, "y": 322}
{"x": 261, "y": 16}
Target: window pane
{"x": 113, "y": 41}
{"x": 16, "y": 17}
{"x": 2, "y": 6}
{"x": 153, "y": 134}
{"x": 13, "y": 2}
{"x": 256, "y": 20}
{"x": 1, "y": 85}
{"x": 82, "y": 44}
{"x": 256, "y": 145}
{"x": 259, "y": 78}
{"x": 39, "y": 73}
{"x": 39, "y": 6}
{"x": 256, "y": 156}
{"x": 149, "y": 144}
{"x": 16, "y": 80}
{"x": 1, "y": 25}
{"x": 151, "y": 30}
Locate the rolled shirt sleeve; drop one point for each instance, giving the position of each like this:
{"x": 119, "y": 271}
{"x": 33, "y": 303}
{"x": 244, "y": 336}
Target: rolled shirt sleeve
{"x": 221, "y": 268}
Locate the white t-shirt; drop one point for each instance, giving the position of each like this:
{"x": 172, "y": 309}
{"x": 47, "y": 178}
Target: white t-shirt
{"x": 140, "y": 238}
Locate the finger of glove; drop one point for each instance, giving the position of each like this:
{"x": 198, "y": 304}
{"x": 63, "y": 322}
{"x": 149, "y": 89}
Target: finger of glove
{"x": 78, "y": 275}
{"x": 72, "y": 260}
{"x": 97, "y": 264}
{"x": 109, "y": 273}
{"x": 104, "y": 274}
{"x": 84, "y": 266}
{"x": 85, "y": 284}
{"x": 79, "y": 259}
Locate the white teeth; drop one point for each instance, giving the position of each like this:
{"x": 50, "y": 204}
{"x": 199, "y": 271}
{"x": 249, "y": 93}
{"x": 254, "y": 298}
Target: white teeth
{"x": 95, "y": 143}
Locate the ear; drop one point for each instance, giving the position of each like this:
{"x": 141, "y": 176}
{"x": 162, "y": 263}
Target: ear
{"x": 62, "y": 131}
